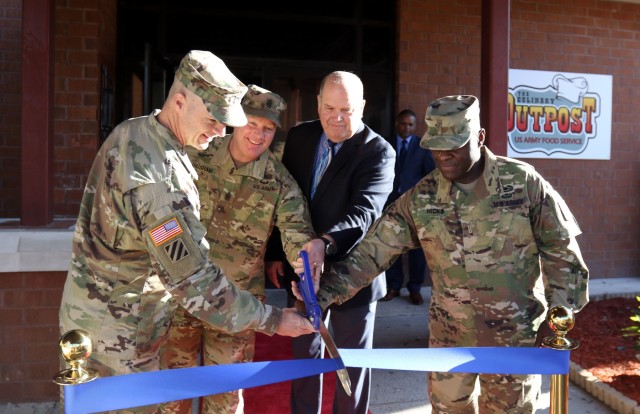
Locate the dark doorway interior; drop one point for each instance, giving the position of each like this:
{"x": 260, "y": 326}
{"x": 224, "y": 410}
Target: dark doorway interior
{"x": 283, "y": 46}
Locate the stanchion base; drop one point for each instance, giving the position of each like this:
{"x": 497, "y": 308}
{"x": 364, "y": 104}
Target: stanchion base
{"x": 562, "y": 344}
{"x": 73, "y": 376}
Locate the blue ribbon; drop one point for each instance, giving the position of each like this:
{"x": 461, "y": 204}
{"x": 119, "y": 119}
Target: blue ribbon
{"x": 517, "y": 361}
{"x": 135, "y": 390}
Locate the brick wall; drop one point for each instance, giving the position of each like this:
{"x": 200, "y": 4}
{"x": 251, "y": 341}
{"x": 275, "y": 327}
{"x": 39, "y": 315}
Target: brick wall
{"x": 10, "y": 116}
{"x": 439, "y": 54}
{"x": 84, "y": 41}
{"x": 600, "y": 37}
{"x": 83, "y": 31}
{"x": 29, "y": 353}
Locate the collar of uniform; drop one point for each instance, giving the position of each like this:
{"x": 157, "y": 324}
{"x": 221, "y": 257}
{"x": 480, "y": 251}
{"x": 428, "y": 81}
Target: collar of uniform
{"x": 490, "y": 174}
{"x": 168, "y": 136}
{"x": 164, "y": 132}
{"x": 256, "y": 168}
{"x": 443, "y": 194}
{"x": 219, "y": 148}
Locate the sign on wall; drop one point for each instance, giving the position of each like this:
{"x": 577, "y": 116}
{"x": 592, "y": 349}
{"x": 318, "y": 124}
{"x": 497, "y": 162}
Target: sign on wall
{"x": 559, "y": 115}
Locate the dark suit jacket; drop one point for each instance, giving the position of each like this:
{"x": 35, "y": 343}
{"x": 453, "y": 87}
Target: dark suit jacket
{"x": 349, "y": 197}
{"x": 419, "y": 162}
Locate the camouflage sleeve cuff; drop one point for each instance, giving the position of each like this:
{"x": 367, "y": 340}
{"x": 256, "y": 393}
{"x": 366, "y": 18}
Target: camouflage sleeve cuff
{"x": 326, "y": 297}
{"x": 272, "y": 320}
{"x": 323, "y": 300}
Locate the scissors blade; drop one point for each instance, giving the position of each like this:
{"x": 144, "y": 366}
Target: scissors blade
{"x": 332, "y": 349}
{"x": 314, "y": 313}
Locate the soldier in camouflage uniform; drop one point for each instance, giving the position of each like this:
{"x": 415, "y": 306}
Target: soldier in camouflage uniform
{"x": 139, "y": 247}
{"x": 244, "y": 192}
{"x": 501, "y": 245}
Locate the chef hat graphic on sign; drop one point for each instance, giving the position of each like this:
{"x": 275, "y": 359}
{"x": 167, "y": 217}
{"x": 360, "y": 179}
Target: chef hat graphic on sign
{"x": 570, "y": 89}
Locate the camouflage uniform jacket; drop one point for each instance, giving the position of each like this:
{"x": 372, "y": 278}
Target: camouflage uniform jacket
{"x": 239, "y": 208}
{"x": 488, "y": 251}
{"x": 139, "y": 247}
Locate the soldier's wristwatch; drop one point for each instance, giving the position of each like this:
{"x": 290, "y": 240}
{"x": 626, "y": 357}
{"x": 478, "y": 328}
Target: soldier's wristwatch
{"x": 329, "y": 247}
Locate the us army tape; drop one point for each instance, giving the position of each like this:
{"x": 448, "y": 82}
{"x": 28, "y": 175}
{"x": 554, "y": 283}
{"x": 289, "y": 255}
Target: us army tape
{"x": 135, "y": 390}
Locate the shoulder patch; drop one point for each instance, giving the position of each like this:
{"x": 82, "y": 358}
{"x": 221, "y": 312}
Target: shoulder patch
{"x": 166, "y": 231}
{"x": 170, "y": 240}
{"x": 176, "y": 250}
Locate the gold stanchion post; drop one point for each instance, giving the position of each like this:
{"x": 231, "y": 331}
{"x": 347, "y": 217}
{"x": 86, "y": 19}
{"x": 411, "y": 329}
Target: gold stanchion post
{"x": 561, "y": 321}
{"x": 75, "y": 347}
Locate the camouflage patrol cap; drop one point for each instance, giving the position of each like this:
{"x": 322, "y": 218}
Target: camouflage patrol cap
{"x": 450, "y": 122}
{"x": 264, "y": 103}
{"x": 207, "y": 76}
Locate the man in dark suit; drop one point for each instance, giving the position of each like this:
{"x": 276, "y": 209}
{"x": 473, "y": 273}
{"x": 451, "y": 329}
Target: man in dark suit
{"x": 345, "y": 199}
{"x": 412, "y": 164}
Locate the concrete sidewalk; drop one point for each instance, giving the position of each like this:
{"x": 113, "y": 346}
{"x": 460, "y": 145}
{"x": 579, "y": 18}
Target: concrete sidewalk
{"x": 400, "y": 324}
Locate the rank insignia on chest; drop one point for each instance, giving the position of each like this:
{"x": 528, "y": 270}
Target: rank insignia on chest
{"x": 165, "y": 231}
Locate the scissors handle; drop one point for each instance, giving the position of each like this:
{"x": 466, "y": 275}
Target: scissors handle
{"x": 314, "y": 313}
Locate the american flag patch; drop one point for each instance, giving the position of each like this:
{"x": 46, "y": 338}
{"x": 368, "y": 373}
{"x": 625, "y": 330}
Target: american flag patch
{"x": 165, "y": 231}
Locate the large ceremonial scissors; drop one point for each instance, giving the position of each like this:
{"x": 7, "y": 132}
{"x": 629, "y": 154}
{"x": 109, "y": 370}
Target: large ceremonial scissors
{"x": 314, "y": 313}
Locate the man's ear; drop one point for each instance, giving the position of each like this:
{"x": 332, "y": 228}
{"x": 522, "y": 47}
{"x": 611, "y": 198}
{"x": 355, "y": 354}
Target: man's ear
{"x": 481, "y": 136}
{"x": 179, "y": 100}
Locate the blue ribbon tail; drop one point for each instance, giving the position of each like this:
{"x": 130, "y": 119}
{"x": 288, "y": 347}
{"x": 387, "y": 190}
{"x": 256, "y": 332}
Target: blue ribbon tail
{"x": 471, "y": 360}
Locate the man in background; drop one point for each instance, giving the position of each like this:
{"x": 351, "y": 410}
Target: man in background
{"x": 412, "y": 163}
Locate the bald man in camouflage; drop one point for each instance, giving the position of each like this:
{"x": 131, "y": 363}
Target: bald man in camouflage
{"x": 139, "y": 248}
{"x": 244, "y": 192}
{"x": 501, "y": 244}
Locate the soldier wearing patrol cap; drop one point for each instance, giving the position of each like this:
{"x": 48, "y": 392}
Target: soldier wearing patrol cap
{"x": 244, "y": 192}
{"x": 139, "y": 248}
{"x": 490, "y": 228}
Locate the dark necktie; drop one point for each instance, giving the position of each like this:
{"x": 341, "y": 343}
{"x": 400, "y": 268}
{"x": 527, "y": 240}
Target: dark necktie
{"x": 403, "y": 154}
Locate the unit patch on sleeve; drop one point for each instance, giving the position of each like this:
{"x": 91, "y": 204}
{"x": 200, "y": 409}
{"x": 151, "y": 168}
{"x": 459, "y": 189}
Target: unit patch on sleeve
{"x": 176, "y": 250}
{"x": 170, "y": 240}
{"x": 165, "y": 231}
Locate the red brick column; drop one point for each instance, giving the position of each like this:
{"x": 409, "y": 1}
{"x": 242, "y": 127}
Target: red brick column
{"x": 37, "y": 113}
{"x": 10, "y": 110}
